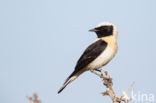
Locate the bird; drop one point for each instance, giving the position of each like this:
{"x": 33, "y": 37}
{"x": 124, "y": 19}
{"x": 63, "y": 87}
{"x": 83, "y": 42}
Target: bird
{"x": 97, "y": 54}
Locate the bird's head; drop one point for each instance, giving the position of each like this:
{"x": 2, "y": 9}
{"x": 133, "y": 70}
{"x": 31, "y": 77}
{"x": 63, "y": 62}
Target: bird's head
{"x": 105, "y": 29}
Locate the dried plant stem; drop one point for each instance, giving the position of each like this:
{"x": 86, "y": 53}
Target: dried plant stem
{"x": 34, "y": 99}
{"x": 109, "y": 90}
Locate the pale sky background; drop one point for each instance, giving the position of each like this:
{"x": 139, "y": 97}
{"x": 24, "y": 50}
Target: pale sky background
{"x": 41, "y": 41}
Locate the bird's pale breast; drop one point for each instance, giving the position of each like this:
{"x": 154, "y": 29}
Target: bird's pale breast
{"x": 104, "y": 57}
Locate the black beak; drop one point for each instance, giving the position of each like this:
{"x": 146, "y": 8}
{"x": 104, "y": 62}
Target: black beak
{"x": 93, "y": 30}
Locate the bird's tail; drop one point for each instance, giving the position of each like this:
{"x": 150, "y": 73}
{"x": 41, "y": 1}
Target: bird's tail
{"x": 71, "y": 78}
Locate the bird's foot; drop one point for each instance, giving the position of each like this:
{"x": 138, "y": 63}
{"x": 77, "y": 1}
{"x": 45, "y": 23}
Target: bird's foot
{"x": 98, "y": 70}
{"x": 96, "y": 73}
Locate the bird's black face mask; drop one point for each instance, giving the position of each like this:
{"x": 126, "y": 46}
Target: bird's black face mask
{"x": 103, "y": 31}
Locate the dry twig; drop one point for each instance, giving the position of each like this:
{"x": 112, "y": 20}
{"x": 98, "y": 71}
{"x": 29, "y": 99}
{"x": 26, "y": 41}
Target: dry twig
{"x": 34, "y": 99}
{"x": 109, "y": 91}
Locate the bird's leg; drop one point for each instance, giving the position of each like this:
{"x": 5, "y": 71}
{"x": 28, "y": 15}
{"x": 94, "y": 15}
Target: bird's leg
{"x": 95, "y": 73}
{"x": 98, "y": 70}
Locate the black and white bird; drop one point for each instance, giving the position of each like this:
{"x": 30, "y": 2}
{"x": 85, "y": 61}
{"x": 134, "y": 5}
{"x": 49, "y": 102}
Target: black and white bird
{"x": 98, "y": 54}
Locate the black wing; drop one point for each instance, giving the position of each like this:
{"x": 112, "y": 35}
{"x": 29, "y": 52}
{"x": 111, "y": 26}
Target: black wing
{"x": 93, "y": 51}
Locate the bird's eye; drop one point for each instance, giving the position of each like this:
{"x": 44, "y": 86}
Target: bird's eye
{"x": 104, "y": 28}
{"x": 109, "y": 29}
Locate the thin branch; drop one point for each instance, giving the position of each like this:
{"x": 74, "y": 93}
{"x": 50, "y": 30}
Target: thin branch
{"x": 34, "y": 99}
{"x": 109, "y": 90}
{"x": 125, "y": 92}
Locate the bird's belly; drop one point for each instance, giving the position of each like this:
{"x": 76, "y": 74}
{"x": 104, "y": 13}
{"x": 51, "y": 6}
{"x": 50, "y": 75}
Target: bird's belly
{"x": 103, "y": 58}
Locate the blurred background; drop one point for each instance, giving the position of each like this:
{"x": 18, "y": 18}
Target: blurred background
{"x": 41, "y": 41}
